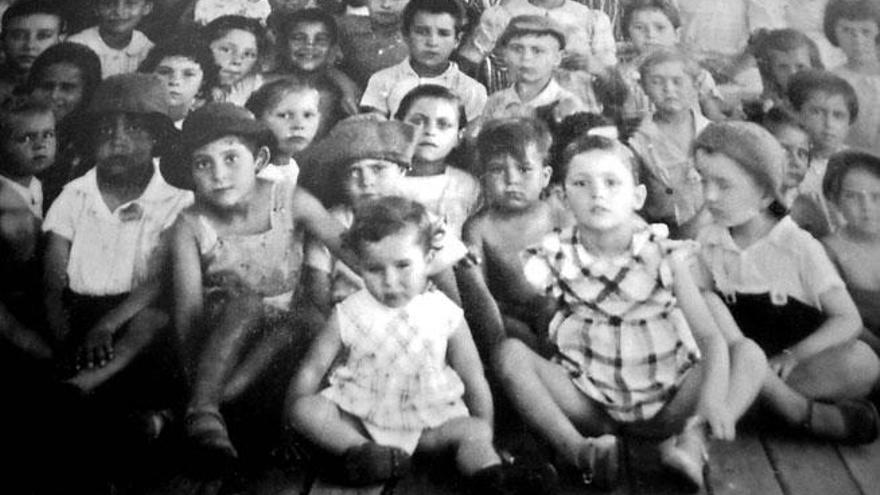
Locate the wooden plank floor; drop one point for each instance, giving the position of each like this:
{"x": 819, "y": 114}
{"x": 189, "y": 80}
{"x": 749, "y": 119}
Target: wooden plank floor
{"x": 763, "y": 463}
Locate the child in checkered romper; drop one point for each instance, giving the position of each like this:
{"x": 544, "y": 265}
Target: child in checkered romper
{"x": 408, "y": 377}
{"x": 637, "y": 350}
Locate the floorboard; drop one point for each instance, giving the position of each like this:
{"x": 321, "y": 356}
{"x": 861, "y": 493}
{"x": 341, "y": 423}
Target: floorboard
{"x": 863, "y": 463}
{"x": 321, "y": 487}
{"x": 741, "y": 468}
{"x": 809, "y": 467}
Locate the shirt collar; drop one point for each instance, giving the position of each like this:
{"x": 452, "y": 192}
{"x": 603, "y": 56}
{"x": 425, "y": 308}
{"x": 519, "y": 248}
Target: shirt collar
{"x": 32, "y": 194}
{"x": 157, "y": 190}
{"x": 779, "y": 236}
{"x": 410, "y": 72}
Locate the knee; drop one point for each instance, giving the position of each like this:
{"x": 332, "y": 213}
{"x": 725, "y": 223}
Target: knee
{"x": 301, "y": 409}
{"x": 508, "y": 359}
{"x": 749, "y": 355}
{"x": 860, "y": 363}
{"x": 477, "y": 431}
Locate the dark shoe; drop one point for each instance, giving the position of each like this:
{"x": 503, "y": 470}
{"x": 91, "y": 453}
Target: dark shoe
{"x": 860, "y": 421}
{"x": 371, "y": 464}
{"x": 599, "y": 462}
{"x": 206, "y": 429}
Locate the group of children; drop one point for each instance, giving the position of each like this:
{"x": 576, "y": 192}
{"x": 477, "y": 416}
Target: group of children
{"x": 196, "y": 239}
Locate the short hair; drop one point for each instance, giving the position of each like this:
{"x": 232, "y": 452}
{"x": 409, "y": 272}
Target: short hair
{"x": 807, "y": 82}
{"x": 666, "y": 55}
{"x": 451, "y": 7}
{"x": 19, "y": 105}
{"x": 220, "y": 26}
{"x": 79, "y": 56}
{"x": 383, "y": 217}
{"x": 780, "y": 117}
{"x": 851, "y": 10}
{"x": 572, "y": 127}
{"x": 842, "y": 163}
{"x": 513, "y": 136}
{"x": 25, "y": 8}
{"x": 781, "y": 40}
{"x": 185, "y": 45}
{"x": 431, "y": 91}
{"x": 589, "y": 142}
{"x": 665, "y": 7}
{"x": 269, "y": 95}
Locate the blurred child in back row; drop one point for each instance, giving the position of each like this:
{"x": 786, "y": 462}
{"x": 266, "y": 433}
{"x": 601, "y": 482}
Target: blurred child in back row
{"x": 116, "y": 39}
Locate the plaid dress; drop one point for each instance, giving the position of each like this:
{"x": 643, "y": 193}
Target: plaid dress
{"x": 394, "y": 374}
{"x": 619, "y": 332}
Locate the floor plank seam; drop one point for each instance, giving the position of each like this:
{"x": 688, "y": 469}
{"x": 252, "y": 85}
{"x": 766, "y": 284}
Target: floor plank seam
{"x": 774, "y": 463}
{"x": 849, "y": 470}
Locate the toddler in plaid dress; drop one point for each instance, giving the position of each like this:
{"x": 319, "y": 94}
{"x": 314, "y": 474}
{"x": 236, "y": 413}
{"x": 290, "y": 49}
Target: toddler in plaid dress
{"x": 635, "y": 347}
{"x": 409, "y": 377}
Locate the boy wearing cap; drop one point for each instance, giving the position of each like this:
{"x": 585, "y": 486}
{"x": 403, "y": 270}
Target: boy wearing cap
{"x": 533, "y": 47}
{"x": 105, "y": 231}
{"x": 236, "y": 257}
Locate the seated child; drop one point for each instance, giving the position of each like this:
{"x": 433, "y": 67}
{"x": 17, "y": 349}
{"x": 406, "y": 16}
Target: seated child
{"x": 663, "y": 141}
{"x": 116, "y": 40}
{"x": 588, "y": 35}
{"x": 186, "y": 67}
{"x": 448, "y": 192}
{"x": 827, "y": 106}
{"x": 65, "y": 77}
{"x": 409, "y": 378}
{"x": 533, "y": 47}
{"x": 105, "y": 245}
{"x": 854, "y": 26}
{"x": 853, "y": 185}
{"x": 236, "y": 259}
{"x": 205, "y": 11}
{"x": 27, "y": 147}
{"x": 636, "y": 348}
{"x": 776, "y": 285}
{"x": 236, "y": 43}
{"x": 29, "y": 28}
{"x": 780, "y": 54}
{"x": 432, "y": 29}
{"x": 649, "y": 25}
{"x": 291, "y": 110}
{"x": 512, "y": 158}
{"x": 308, "y": 46}
{"x": 364, "y": 158}
{"x": 370, "y": 44}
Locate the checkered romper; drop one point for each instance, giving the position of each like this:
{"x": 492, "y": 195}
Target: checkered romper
{"x": 619, "y": 332}
{"x": 394, "y": 372}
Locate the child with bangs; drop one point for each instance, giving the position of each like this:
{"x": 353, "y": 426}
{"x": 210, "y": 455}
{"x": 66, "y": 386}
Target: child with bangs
{"x": 237, "y": 44}
{"x": 28, "y": 29}
{"x": 780, "y": 54}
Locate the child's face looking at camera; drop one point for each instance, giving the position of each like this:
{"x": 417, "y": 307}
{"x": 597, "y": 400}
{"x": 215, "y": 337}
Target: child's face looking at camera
{"x": 827, "y": 117}
{"x": 600, "y": 190}
{"x": 395, "y": 269}
{"x": 437, "y": 120}
{"x": 859, "y": 200}
{"x": 783, "y": 65}
{"x": 432, "y": 38}
{"x": 731, "y": 194}
{"x": 122, "y": 16}
{"x": 670, "y": 87}
{"x": 28, "y": 36}
{"x": 514, "y": 185}
{"x": 182, "y": 78}
{"x": 371, "y": 178}
{"x": 533, "y": 57}
{"x": 649, "y": 29}
{"x": 858, "y": 39}
{"x": 309, "y": 45}
{"x": 61, "y": 86}
{"x": 796, "y": 143}
{"x": 28, "y": 143}
{"x": 124, "y": 144}
{"x": 225, "y": 171}
{"x": 236, "y": 54}
{"x": 295, "y": 120}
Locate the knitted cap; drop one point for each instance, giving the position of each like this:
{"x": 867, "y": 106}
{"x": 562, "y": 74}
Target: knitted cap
{"x": 532, "y": 24}
{"x": 750, "y": 145}
{"x": 360, "y": 137}
{"x": 130, "y": 93}
{"x": 208, "y": 123}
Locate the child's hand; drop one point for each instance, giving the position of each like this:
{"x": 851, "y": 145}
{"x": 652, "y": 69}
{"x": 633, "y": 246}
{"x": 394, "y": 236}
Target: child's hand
{"x": 721, "y": 422}
{"x": 98, "y": 348}
{"x": 783, "y": 363}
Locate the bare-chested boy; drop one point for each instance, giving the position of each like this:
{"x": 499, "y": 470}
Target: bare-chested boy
{"x": 512, "y": 163}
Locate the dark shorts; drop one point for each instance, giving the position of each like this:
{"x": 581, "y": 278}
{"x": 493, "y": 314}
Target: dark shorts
{"x": 774, "y": 327}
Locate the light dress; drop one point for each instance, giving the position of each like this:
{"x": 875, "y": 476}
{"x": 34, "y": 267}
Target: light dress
{"x": 619, "y": 331}
{"x": 267, "y": 263}
{"x": 395, "y": 377}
